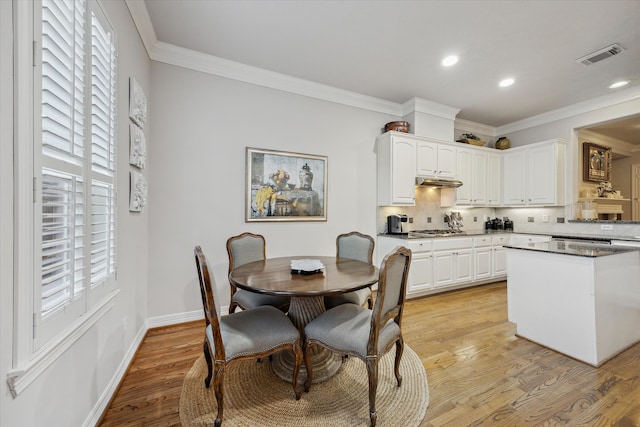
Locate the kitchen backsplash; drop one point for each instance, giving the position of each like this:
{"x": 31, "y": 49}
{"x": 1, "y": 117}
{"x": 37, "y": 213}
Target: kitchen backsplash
{"x": 532, "y": 220}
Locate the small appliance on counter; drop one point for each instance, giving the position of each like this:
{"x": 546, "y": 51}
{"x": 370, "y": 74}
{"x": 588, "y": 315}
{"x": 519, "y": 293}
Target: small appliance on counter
{"x": 499, "y": 224}
{"x": 394, "y": 224}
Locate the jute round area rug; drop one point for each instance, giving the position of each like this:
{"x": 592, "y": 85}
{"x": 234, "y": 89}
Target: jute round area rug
{"x": 255, "y": 396}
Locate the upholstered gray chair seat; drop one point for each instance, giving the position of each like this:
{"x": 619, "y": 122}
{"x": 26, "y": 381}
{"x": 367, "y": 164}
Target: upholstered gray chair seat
{"x": 254, "y": 331}
{"x": 248, "y": 299}
{"x": 359, "y": 297}
{"x": 346, "y": 327}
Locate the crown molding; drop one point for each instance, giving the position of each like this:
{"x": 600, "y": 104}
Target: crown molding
{"x": 174, "y": 55}
{"x": 588, "y": 106}
{"x": 421, "y": 105}
{"x": 475, "y": 127}
{"x": 163, "y": 52}
{"x": 142, "y": 21}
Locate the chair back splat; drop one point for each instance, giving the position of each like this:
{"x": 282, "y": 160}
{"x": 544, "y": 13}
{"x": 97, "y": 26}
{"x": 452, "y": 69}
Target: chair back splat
{"x": 243, "y": 249}
{"x": 358, "y": 246}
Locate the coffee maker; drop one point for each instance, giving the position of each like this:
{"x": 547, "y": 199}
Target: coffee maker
{"x": 394, "y": 224}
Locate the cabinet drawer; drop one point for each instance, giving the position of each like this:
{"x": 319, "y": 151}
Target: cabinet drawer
{"x": 481, "y": 241}
{"x": 500, "y": 240}
{"x": 448, "y": 243}
{"x": 419, "y": 245}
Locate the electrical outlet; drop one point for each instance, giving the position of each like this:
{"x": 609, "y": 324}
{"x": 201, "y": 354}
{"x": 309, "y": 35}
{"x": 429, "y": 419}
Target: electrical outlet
{"x": 530, "y": 219}
{"x": 560, "y": 220}
{"x": 428, "y": 220}
{"x": 475, "y": 219}
{"x": 545, "y": 218}
{"x": 410, "y": 220}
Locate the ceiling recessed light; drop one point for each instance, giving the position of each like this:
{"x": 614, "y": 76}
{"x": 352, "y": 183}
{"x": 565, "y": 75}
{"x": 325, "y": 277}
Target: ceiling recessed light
{"x": 507, "y": 82}
{"x": 449, "y": 61}
{"x": 619, "y": 84}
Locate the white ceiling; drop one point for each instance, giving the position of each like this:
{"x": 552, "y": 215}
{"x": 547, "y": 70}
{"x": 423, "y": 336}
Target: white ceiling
{"x": 392, "y": 49}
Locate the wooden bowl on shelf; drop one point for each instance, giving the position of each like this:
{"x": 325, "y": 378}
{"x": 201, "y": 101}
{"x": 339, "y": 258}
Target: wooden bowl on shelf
{"x": 397, "y": 126}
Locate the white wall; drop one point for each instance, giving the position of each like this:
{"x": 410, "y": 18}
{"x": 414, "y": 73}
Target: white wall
{"x": 201, "y": 126}
{"x": 71, "y": 391}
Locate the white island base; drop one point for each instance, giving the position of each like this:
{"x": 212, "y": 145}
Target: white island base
{"x": 585, "y": 307}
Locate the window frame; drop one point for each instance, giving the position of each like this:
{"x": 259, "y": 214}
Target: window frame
{"x": 30, "y": 356}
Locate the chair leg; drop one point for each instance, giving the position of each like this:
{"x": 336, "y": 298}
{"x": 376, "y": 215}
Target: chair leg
{"x": 399, "y": 350}
{"x": 218, "y": 386}
{"x": 297, "y": 351}
{"x": 372, "y": 370}
{"x": 307, "y": 365}
{"x": 232, "y": 307}
{"x": 207, "y": 357}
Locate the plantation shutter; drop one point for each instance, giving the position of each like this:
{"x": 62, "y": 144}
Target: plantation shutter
{"x": 77, "y": 165}
{"x": 63, "y": 123}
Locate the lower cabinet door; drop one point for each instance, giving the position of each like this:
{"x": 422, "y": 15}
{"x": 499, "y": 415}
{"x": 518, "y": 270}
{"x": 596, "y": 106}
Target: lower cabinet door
{"x": 420, "y": 272}
{"x": 443, "y": 268}
{"x": 499, "y": 262}
{"x": 482, "y": 263}
{"x": 463, "y": 266}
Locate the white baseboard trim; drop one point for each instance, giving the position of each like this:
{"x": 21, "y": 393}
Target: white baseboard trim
{"x": 103, "y": 402}
{"x": 154, "y": 322}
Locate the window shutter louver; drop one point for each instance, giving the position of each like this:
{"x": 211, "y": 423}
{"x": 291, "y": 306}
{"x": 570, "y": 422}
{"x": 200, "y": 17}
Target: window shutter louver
{"x": 78, "y": 91}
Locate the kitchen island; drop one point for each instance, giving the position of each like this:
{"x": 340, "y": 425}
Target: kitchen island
{"x": 582, "y": 300}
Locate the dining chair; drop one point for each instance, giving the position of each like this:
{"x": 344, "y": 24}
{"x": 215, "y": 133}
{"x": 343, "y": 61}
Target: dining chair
{"x": 248, "y": 334}
{"x": 242, "y": 249}
{"x": 358, "y": 246}
{"x": 361, "y": 332}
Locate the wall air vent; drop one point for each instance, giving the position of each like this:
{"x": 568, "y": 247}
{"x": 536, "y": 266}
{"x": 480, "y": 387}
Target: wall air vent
{"x": 601, "y": 55}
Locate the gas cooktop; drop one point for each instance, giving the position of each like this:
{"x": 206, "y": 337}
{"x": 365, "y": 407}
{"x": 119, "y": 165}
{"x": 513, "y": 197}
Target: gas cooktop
{"x": 448, "y": 232}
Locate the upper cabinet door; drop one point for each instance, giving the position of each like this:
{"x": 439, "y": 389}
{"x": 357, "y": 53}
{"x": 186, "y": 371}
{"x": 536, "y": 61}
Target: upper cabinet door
{"x": 542, "y": 175}
{"x": 426, "y": 159}
{"x": 396, "y": 170}
{"x": 446, "y": 161}
{"x": 494, "y": 179}
{"x": 464, "y": 162}
{"x": 514, "y": 178}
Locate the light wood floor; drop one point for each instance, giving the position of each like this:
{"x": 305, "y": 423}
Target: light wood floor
{"x": 479, "y": 372}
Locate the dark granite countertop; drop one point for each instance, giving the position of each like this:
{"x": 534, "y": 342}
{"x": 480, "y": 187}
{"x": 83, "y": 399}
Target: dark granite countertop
{"x": 574, "y": 248}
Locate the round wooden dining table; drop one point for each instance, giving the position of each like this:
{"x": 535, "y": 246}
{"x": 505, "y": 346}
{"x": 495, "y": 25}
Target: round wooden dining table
{"x": 307, "y": 291}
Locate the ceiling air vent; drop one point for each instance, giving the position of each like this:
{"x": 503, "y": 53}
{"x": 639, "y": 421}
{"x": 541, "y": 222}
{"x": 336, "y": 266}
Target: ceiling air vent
{"x": 600, "y": 55}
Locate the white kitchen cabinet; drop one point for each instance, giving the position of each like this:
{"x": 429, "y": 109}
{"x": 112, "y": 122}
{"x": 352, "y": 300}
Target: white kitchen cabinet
{"x": 472, "y": 171}
{"x": 534, "y": 174}
{"x": 435, "y": 160}
{"x": 421, "y": 269}
{"x": 499, "y": 262}
{"x": 452, "y": 261}
{"x": 482, "y": 257}
{"x": 514, "y": 187}
{"x": 494, "y": 179}
{"x": 483, "y": 263}
{"x": 499, "y": 256}
{"x": 396, "y": 166}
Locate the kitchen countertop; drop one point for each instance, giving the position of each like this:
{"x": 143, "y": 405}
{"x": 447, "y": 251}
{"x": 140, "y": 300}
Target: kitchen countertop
{"x": 559, "y": 235}
{"x": 574, "y": 248}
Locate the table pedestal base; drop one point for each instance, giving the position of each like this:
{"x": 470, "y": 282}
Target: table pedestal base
{"x": 325, "y": 363}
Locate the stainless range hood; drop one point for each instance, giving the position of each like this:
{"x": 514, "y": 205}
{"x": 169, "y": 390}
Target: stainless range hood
{"x": 438, "y": 183}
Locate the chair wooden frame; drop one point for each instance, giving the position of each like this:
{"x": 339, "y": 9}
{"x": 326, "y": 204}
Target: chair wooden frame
{"x": 379, "y": 319}
{"x": 233, "y": 305}
{"x": 218, "y": 359}
{"x": 369, "y": 299}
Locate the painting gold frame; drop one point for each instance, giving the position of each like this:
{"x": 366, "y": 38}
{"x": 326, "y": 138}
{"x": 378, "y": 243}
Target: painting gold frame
{"x": 285, "y": 186}
{"x": 596, "y": 162}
